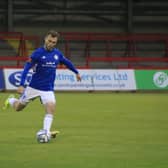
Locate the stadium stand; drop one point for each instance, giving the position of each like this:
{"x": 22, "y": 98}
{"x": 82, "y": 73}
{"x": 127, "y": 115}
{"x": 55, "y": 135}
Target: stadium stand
{"x": 94, "y": 50}
{"x": 97, "y": 16}
{"x": 15, "y": 47}
{"x": 124, "y": 48}
{"x": 109, "y": 50}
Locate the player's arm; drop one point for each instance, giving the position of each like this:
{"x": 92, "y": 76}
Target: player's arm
{"x": 70, "y": 66}
{"x": 28, "y": 65}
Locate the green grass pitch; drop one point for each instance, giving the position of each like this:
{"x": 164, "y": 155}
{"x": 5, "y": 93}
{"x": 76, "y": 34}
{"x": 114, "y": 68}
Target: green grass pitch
{"x": 98, "y": 130}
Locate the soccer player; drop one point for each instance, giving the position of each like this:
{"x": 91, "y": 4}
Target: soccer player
{"x": 44, "y": 62}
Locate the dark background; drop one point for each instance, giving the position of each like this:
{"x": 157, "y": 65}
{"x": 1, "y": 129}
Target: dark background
{"x": 121, "y": 16}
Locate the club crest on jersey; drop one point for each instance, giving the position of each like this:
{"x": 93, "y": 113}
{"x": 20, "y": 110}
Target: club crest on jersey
{"x": 56, "y": 56}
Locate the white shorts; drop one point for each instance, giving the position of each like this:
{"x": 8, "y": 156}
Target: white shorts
{"x": 31, "y": 93}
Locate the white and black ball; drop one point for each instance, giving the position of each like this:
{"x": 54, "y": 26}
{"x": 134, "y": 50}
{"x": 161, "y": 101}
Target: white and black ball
{"x": 42, "y": 136}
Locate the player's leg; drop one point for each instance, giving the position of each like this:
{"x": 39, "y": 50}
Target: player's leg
{"x": 48, "y": 99}
{"x": 19, "y": 104}
{"x": 14, "y": 102}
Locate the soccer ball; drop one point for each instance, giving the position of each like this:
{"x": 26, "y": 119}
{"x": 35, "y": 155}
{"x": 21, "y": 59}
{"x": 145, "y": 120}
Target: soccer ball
{"x": 42, "y": 136}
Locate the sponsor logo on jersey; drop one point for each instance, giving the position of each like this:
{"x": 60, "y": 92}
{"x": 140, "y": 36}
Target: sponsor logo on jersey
{"x": 50, "y": 63}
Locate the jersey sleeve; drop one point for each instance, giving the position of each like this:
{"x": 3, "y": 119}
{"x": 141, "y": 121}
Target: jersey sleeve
{"x": 32, "y": 60}
{"x": 68, "y": 63}
{"x": 34, "y": 57}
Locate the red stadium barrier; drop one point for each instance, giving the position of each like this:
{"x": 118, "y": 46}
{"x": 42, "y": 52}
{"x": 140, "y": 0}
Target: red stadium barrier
{"x": 21, "y": 50}
{"x": 128, "y": 48}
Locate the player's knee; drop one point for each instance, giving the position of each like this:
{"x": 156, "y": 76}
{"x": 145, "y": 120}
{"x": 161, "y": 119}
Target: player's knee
{"x": 50, "y": 107}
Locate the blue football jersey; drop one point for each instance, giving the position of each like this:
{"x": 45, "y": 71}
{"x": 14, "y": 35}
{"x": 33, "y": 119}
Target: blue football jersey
{"x": 44, "y": 64}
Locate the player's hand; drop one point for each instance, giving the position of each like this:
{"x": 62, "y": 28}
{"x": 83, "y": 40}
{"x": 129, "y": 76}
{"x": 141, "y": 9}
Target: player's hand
{"x": 20, "y": 89}
{"x": 78, "y": 77}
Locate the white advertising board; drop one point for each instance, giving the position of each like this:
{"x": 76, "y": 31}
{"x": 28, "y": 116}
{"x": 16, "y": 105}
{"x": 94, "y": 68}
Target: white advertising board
{"x": 92, "y": 79}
